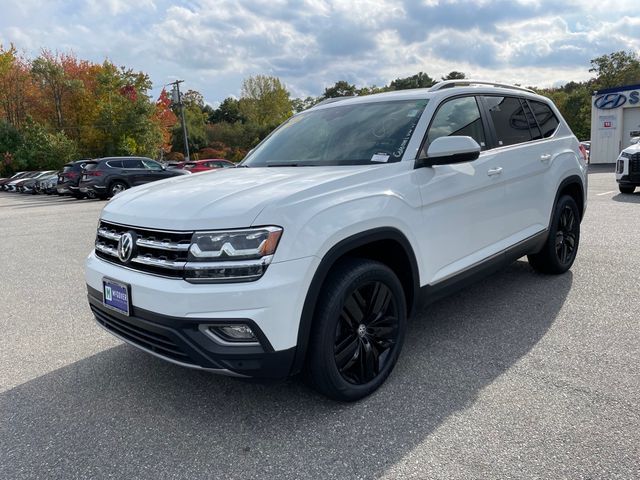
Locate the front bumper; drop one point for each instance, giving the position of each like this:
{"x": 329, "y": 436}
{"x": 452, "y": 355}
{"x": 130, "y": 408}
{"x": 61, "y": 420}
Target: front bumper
{"x": 174, "y": 310}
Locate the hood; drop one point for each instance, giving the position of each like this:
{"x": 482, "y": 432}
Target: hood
{"x": 635, "y": 148}
{"x": 225, "y": 198}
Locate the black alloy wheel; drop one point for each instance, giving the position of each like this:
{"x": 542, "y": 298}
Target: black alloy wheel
{"x": 366, "y": 333}
{"x": 561, "y": 247}
{"x": 566, "y": 235}
{"x": 357, "y": 331}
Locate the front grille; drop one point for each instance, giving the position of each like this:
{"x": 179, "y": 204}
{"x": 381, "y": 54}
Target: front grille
{"x": 157, "y": 252}
{"x": 634, "y": 167}
{"x": 142, "y": 337}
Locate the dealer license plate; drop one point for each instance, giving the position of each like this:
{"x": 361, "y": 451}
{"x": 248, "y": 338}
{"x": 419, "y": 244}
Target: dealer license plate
{"x": 116, "y": 296}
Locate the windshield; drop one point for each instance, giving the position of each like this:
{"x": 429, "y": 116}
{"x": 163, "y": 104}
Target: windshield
{"x": 356, "y": 134}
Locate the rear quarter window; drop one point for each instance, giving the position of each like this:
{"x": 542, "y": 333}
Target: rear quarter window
{"x": 115, "y": 163}
{"x": 546, "y": 118}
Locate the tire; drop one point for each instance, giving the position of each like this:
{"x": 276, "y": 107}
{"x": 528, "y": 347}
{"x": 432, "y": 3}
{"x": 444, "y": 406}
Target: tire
{"x": 561, "y": 247}
{"x": 116, "y": 188}
{"x": 363, "y": 304}
{"x": 626, "y": 188}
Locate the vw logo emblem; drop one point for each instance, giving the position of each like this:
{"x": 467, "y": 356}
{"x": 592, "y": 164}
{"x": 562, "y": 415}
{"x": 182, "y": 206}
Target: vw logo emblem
{"x": 609, "y": 101}
{"x": 126, "y": 246}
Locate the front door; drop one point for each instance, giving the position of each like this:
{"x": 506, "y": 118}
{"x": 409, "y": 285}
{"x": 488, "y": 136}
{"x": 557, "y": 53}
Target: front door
{"x": 462, "y": 204}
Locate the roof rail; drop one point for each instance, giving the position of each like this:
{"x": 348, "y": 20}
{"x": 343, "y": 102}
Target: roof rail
{"x": 469, "y": 82}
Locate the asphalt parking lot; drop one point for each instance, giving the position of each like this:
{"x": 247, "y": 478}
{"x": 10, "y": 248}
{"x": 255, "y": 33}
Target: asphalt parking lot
{"x": 519, "y": 376}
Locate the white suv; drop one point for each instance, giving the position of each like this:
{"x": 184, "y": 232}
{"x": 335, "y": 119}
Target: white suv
{"x": 311, "y": 257}
{"x": 628, "y": 169}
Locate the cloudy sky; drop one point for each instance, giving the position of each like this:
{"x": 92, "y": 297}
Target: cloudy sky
{"x": 309, "y": 44}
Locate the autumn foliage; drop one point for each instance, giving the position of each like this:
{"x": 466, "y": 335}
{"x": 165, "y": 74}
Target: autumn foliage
{"x": 55, "y": 108}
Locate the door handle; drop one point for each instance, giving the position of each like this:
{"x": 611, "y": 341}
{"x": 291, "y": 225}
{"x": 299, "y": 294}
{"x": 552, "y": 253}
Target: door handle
{"x": 494, "y": 171}
{"x": 544, "y": 158}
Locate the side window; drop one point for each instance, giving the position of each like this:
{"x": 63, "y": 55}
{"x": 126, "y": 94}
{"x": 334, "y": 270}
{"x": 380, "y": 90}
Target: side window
{"x": 458, "y": 116}
{"x": 546, "y": 118}
{"x": 132, "y": 163}
{"x": 533, "y": 125}
{"x": 509, "y": 119}
{"x": 115, "y": 163}
{"x": 151, "y": 165}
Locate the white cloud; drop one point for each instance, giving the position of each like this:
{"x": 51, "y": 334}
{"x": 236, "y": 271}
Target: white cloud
{"x": 310, "y": 44}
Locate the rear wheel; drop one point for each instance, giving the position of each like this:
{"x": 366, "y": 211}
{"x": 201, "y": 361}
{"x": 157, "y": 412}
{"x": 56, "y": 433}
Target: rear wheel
{"x": 561, "y": 246}
{"x": 358, "y": 330}
{"x": 117, "y": 187}
{"x": 626, "y": 188}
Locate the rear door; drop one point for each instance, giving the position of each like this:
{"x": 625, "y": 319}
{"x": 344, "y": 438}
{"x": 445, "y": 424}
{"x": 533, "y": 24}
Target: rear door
{"x": 154, "y": 170}
{"x": 525, "y": 156}
{"x": 134, "y": 171}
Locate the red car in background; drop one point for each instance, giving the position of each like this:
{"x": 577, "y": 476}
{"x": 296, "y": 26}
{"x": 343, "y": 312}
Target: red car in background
{"x": 196, "y": 166}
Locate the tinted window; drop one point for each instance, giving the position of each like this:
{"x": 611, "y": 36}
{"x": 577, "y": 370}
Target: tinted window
{"x": 459, "y": 116}
{"x": 546, "y": 118}
{"x": 151, "y": 165}
{"x": 90, "y": 166}
{"x": 533, "y": 125}
{"x": 67, "y": 168}
{"x": 115, "y": 163}
{"x": 509, "y": 120}
{"x": 132, "y": 163}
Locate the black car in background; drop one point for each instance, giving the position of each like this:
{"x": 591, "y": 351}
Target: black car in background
{"x": 69, "y": 178}
{"x": 106, "y": 177}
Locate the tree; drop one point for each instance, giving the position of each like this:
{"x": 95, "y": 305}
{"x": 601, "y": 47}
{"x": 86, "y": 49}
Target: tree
{"x": 616, "y": 69}
{"x": 264, "y": 101}
{"x": 41, "y": 150}
{"x": 228, "y": 111}
{"x": 454, "y": 76}
{"x": 419, "y": 80}
{"x": 166, "y": 118}
{"x": 340, "y": 89}
{"x": 50, "y": 74}
{"x": 126, "y": 123}
{"x": 299, "y": 104}
{"x": 17, "y": 92}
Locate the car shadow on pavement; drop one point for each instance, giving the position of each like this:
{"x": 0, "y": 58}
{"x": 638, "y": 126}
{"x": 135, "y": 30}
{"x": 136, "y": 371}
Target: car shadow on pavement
{"x": 125, "y": 414}
{"x": 627, "y": 197}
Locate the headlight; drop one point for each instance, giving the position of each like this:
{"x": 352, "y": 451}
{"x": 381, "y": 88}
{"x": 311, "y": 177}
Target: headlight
{"x": 231, "y": 256}
{"x": 625, "y": 155}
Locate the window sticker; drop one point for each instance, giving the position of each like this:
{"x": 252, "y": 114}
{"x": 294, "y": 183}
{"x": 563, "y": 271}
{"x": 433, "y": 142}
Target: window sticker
{"x": 380, "y": 157}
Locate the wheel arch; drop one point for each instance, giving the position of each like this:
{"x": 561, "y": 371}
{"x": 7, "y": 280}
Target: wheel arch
{"x": 572, "y": 186}
{"x": 375, "y": 244}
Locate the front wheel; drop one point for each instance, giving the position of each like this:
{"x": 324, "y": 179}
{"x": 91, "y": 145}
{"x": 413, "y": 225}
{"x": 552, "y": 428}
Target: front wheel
{"x": 358, "y": 330}
{"x": 561, "y": 247}
{"x": 626, "y": 188}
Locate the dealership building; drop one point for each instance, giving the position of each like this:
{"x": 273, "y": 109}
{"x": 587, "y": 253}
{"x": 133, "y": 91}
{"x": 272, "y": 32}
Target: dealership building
{"x": 615, "y": 120}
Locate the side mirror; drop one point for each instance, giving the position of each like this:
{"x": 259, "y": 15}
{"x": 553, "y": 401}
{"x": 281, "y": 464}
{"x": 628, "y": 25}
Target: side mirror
{"x": 449, "y": 150}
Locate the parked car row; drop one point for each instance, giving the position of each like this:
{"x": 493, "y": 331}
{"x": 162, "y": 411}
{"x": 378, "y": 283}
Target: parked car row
{"x": 27, "y": 182}
{"x": 103, "y": 177}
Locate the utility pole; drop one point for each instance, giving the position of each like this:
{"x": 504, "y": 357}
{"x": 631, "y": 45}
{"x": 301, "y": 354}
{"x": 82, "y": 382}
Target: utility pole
{"x": 177, "y": 98}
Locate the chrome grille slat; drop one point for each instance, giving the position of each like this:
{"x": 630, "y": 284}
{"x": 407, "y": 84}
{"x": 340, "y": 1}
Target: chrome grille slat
{"x": 157, "y": 262}
{"x": 159, "y": 245}
{"x": 162, "y": 253}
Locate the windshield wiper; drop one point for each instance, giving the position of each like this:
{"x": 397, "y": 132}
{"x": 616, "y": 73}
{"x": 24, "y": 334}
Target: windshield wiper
{"x": 285, "y": 164}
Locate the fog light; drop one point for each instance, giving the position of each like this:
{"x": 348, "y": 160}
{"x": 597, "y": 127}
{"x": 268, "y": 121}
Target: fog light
{"x": 232, "y": 334}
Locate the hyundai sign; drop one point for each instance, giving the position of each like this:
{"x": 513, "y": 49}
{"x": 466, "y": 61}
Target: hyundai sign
{"x": 609, "y": 101}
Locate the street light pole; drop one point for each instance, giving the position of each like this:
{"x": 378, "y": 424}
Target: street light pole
{"x": 176, "y": 86}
